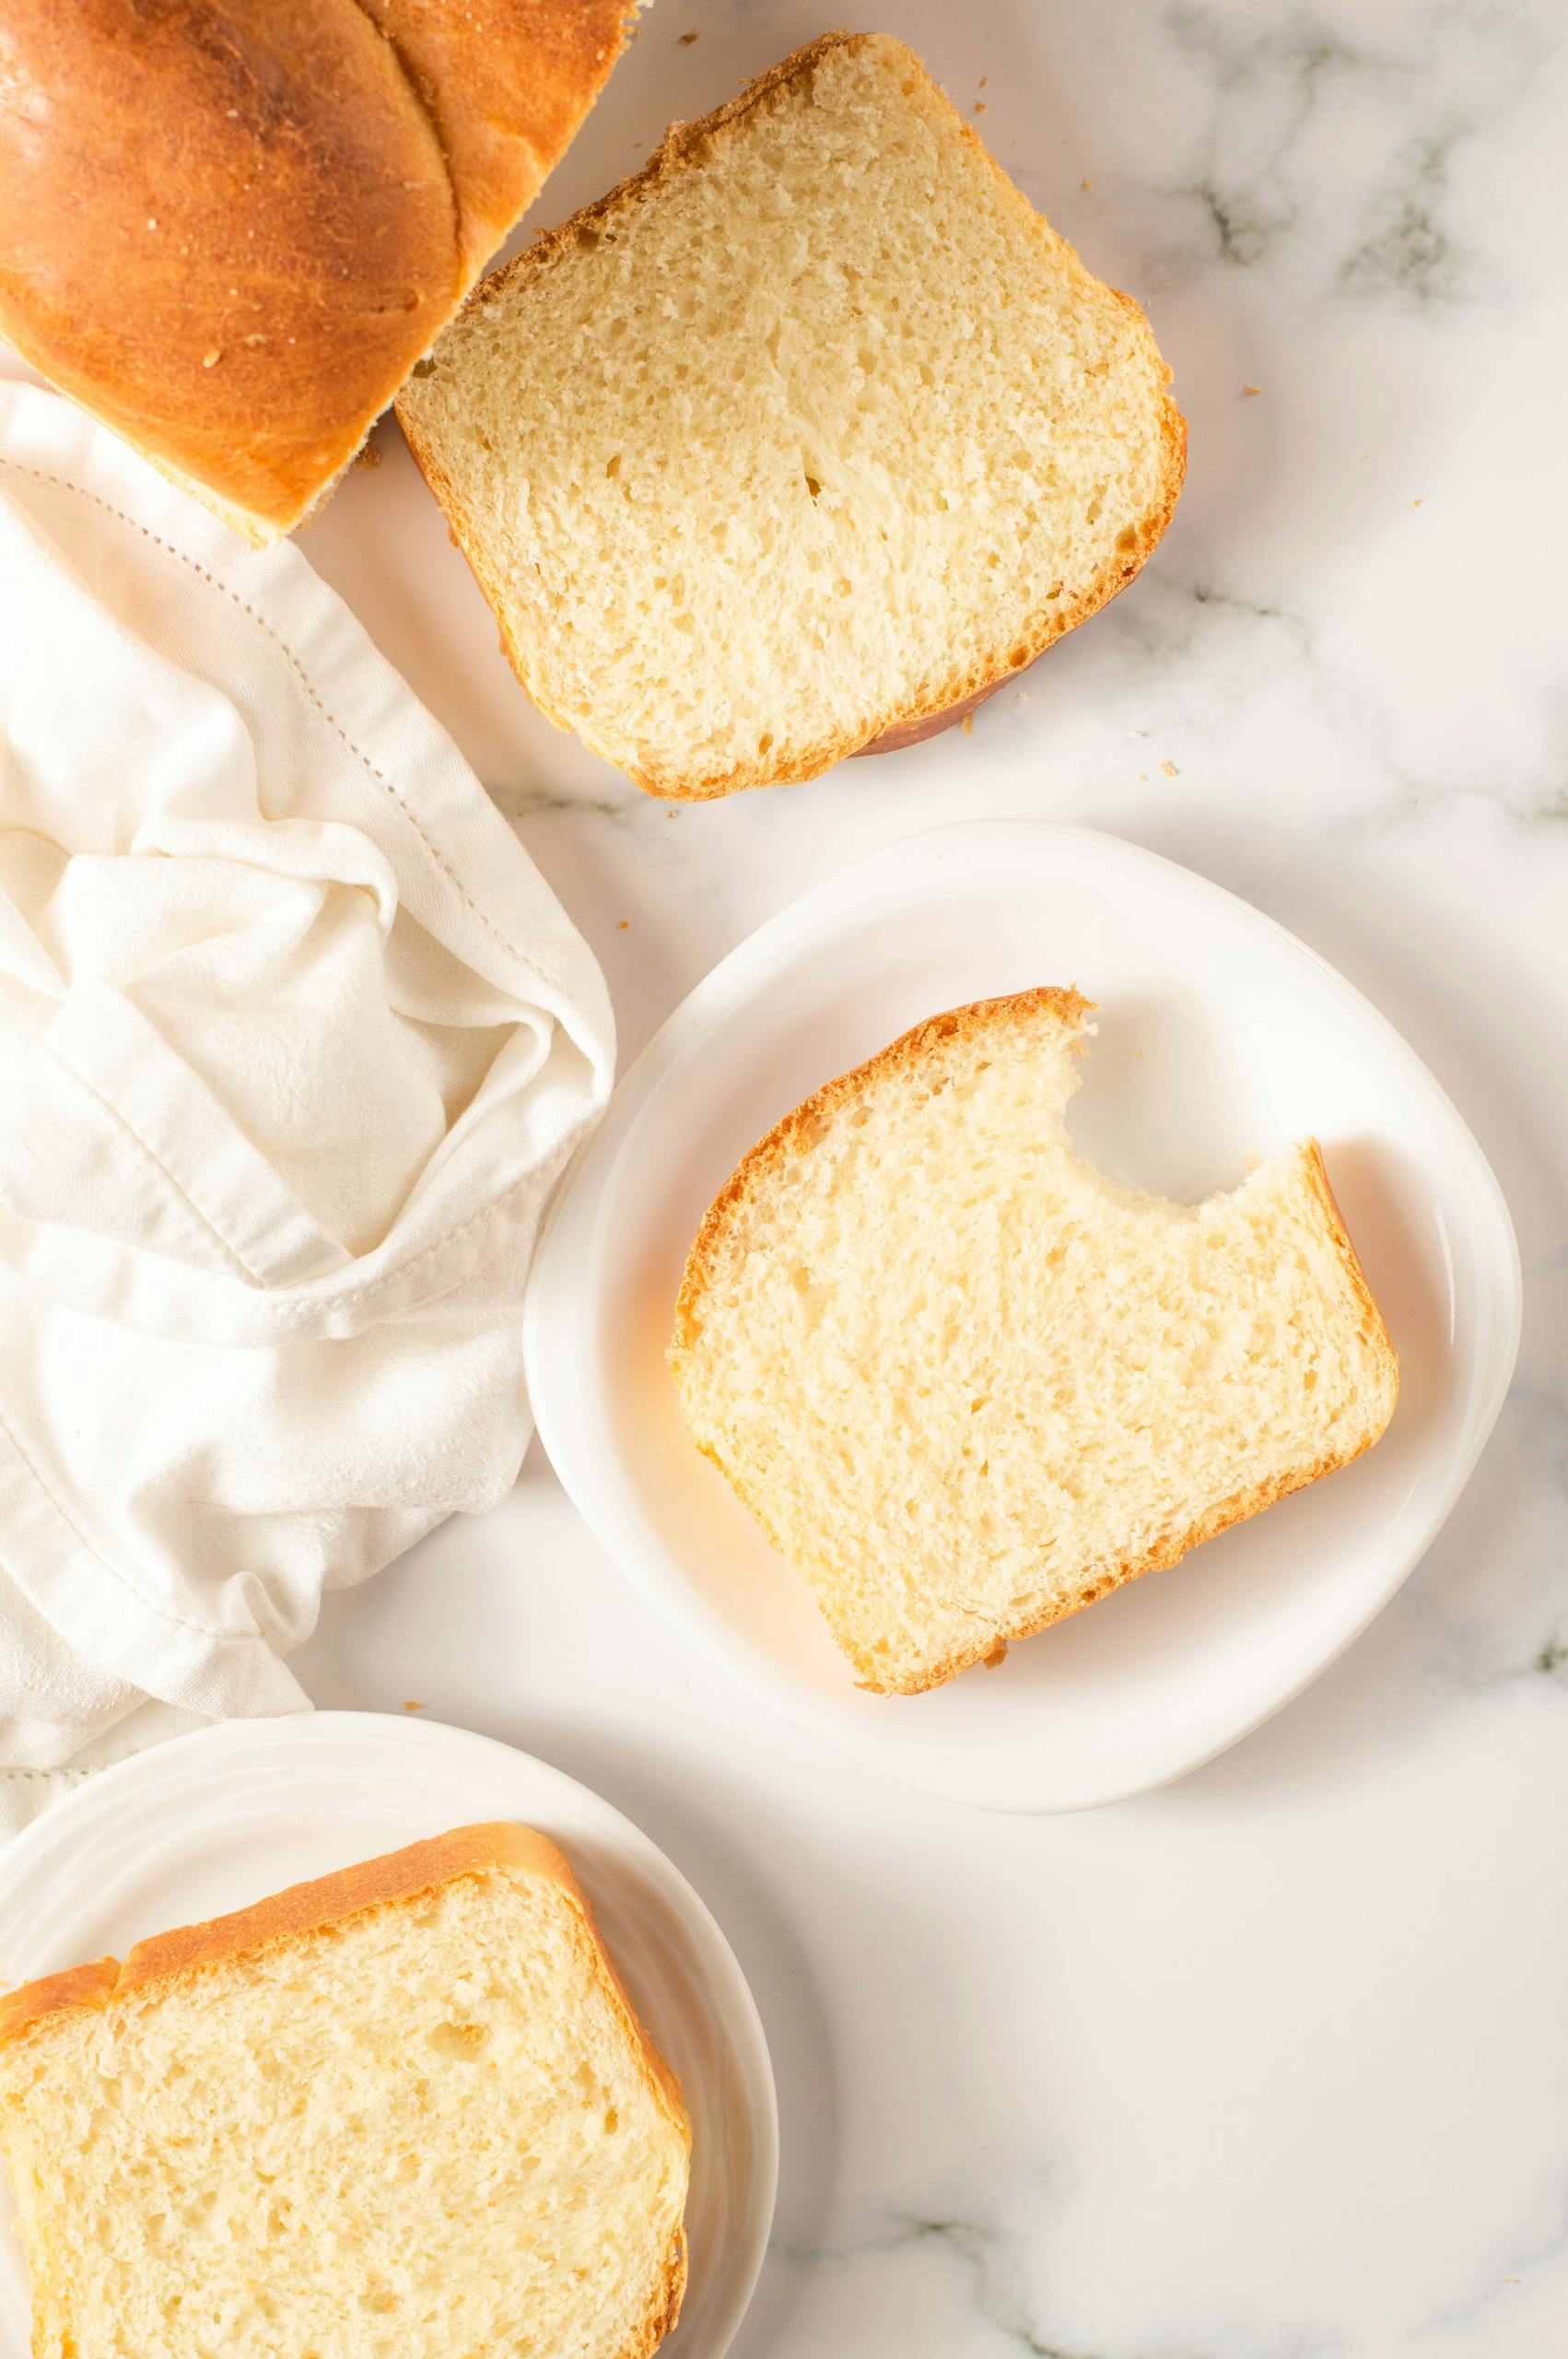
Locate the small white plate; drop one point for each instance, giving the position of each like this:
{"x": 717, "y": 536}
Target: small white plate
{"x": 214, "y": 1822}
{"x": 1220, "y": 1037}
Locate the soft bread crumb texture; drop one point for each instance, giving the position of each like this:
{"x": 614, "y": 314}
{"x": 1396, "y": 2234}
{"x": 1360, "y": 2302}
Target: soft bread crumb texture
{"x": 808, "y": 433}
{"x": 967, "y": 1383}
{"x": 421, "y": 2132}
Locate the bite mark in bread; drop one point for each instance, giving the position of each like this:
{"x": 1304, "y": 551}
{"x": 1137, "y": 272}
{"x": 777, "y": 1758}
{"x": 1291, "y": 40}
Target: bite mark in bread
{"x": 849, "y": 1275}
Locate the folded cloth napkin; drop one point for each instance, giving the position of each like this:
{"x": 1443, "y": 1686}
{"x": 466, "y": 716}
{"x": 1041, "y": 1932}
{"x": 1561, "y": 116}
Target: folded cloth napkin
{"x": 293, "y": 1041}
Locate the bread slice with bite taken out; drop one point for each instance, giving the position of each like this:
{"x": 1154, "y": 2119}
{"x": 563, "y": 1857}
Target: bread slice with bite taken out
{"x": 404, "y": 2112}
{"x": 967, "y": 1383}
{"x": 809, "y": 435}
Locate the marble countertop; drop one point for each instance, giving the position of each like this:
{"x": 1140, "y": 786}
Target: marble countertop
{"x": 1274, "y": 2063}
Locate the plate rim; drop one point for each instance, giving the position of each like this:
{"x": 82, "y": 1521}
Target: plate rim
{"x": 29, "y": 1848}
{"x": 682, "y": 1030}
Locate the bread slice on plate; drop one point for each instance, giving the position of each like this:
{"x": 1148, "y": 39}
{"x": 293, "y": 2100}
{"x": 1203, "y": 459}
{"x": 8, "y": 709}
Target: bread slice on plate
{"x": 406, "y": 2112}
{"x": 967, "y": 1383}
{"x": 812, "y": 432}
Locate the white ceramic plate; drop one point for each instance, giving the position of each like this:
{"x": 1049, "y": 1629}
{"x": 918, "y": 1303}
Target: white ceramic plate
{"x": 215, "y": 1821}
{"x": 1220, "y": 1037}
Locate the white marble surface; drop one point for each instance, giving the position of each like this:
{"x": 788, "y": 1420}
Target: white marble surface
{"x": 1275, "y": 2063}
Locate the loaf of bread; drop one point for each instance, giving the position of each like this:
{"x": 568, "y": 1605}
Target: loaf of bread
{"x": 967, "y": 1383}
{"x": 229, "y": 227}
{"x": 406, "y": 2112}
{"x": 811, "y": 433}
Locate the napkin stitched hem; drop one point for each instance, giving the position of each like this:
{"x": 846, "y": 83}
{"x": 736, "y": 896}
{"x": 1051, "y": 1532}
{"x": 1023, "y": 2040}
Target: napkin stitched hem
{"x": 528, "y": 958}
{"x": 319, "y": 1306}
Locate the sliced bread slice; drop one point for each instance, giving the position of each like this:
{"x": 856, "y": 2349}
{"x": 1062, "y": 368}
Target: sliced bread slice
{"x": 406, "y": 2112}
{"x": 811, "y": 432}
{"x": 967, "y": 1383}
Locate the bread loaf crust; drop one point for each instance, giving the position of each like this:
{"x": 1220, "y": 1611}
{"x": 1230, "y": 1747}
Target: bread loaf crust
{"x": 794, "y": 1135}
{"x": 229, "y": 227}
{"x": 685, "y": 148}
{"x": 915, "y": 733}
{"x": 304, "y": 1908}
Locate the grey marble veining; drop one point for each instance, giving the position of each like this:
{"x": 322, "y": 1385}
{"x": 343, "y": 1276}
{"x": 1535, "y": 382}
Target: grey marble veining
{"x": 1275, "y": 2064}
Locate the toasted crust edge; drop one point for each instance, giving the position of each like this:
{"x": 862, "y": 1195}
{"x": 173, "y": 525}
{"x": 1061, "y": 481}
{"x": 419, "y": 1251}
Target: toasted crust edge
{"x": 1236, "y": 1509}
{"x": 789, "y": 1136}
{"x": 305, "y": 1908}
{"x": 682, "y": 151}
{"x": 326, "y": 1901}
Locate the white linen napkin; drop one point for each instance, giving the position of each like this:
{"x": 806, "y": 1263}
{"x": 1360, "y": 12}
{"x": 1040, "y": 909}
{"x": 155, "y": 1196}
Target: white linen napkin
{"x": 293, "y": 1042}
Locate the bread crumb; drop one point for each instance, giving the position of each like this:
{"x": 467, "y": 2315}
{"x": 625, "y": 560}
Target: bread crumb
{"x": 210, "y": 360}
{"x": 1252, "y": 389}
{"x": 1143, "y": 778}
{"x": 1085, "y": 186}
{"x": 367, "y": 455}
{"x": 979, "y": 106}
{"x": 413, "y": 1705}
{"x": 1418, "y": 503}
{"x": 967, "y": 724}
{"x": 983, "y": 80}
{"x": 621, "y": 925}
{"x": 660, "y": 359}
{"x": 686, "y": 40}
{"x": 1170, "y": 769}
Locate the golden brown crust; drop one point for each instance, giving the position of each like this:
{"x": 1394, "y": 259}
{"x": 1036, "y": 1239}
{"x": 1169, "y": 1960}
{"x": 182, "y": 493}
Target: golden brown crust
{"x": 795, "y": 1133}
{"x": 1315, "y": 1173}
{"x": 904, "y": 734}
{"x": 665, "y": 2313}
{"x": 685, "y": 148}
{"x": 310, "y": 1908}
{"x": 1236, "y": 1509}
{"x": 506, "y": 84}
{"x": 967, "y": 689}
{"x": 79, "y": 1987}
{"x": 1040, "y": 638}
{"x": 230, "y": 232}
{"x": 306, "y": 1908}
{"x": 929, "y": 718}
